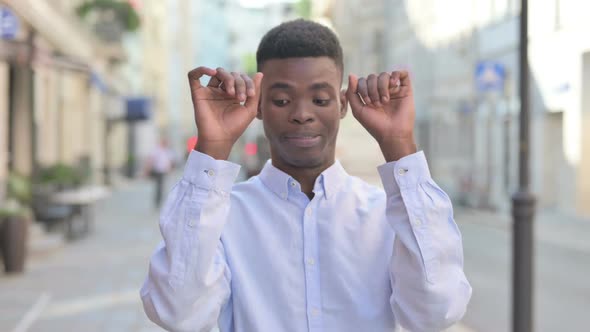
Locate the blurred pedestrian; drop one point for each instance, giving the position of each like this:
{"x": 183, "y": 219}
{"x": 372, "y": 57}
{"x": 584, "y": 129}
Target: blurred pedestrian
{"x": 303, "y": 246}
{"x": 160, "y": 162}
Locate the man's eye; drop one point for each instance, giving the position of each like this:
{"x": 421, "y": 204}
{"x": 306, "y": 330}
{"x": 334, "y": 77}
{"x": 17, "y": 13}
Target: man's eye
{"x": 321, "y": 102}
{"x": 280, "y": 102}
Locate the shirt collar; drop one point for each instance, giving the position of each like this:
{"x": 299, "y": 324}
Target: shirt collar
{"x": 278, "y": 181}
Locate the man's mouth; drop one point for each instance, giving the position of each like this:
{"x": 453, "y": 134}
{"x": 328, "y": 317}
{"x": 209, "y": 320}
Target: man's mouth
{"x": 302, "y": 140}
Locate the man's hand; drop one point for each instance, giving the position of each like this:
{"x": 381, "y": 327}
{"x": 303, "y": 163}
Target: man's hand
{"x": 223, "y": 109}
{"x": 384, "y": 105}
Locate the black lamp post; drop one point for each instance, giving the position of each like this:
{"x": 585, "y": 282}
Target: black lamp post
{"x": 523, "y": 201}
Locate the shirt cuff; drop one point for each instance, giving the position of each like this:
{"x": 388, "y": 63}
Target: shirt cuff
{"x": 206, "y": 172}
{"x": 407, "y": 172}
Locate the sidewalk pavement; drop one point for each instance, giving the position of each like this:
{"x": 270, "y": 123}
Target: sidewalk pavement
{"x": 550, "y": 226}
{"x": 92, "y": 284}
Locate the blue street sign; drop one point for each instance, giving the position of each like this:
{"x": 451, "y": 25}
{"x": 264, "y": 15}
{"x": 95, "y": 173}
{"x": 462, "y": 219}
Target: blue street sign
{"x": 490, "y": 76}
{"x": 138, "y": 108}
{"x": 8, "y": 24}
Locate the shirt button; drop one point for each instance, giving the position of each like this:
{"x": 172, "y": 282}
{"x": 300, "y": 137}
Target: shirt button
{"x": 310, "y": 261}
{"x": 292, "y": 184}
{"x": 401, "y": 171}
{"x": 417, "y": 222}
{"x": 211, "y": 172}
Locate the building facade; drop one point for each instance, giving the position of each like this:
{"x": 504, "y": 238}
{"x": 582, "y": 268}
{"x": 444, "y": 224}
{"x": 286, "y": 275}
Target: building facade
{"x": 54, "y": 74}
{"x": 469, "y": 131}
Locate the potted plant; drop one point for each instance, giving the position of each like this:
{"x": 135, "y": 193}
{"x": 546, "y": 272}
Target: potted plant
{"x": 59, "y": 177}
{"x": 110, "y": 18}
{"x": 49, "y": 180}
{"x": 15, "y": 218}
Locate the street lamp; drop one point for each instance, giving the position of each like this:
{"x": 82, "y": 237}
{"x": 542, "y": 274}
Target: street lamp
{"x": 523, "y": 201}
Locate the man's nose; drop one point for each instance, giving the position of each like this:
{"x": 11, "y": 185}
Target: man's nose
{"x": 301, "y": 114}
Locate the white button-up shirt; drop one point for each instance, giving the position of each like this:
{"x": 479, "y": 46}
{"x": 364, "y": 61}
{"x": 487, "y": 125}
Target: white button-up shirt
{"x": 261, "y": 256}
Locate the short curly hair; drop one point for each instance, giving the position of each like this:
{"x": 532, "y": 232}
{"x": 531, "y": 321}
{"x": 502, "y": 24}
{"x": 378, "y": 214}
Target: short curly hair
{"x": 297, "y": 39}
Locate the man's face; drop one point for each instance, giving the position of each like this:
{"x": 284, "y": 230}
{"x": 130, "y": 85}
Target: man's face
{"x": 301, "y": 106}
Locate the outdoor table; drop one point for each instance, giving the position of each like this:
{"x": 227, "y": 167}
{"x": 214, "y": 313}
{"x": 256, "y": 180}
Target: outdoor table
{"x": 81, "y": 199}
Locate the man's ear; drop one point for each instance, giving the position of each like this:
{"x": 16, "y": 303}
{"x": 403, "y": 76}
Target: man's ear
{"x": 343, "y": 104}
{"x": 259, "y": 112}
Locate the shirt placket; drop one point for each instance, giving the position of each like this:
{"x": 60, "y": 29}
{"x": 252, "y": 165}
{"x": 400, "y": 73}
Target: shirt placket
{"x": 312, "y": 268}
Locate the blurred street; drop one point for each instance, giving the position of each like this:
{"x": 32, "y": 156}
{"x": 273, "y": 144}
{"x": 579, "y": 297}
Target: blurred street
{"x": 94, "y": 99}
{"x": 561, "y": 269}
{"x": 92, "y": 284}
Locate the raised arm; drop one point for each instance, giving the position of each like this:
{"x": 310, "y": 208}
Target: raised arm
{"x": 188, "y": 287}
{"x": 430, "y": 290}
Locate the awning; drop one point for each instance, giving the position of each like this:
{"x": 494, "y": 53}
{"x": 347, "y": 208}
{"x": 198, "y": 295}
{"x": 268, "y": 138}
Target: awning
{"x": 138, "y": 109}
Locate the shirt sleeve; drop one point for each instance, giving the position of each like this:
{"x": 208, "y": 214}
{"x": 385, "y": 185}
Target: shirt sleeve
{"x": 430, "y": 290}
{"x": 188, "y": 283}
